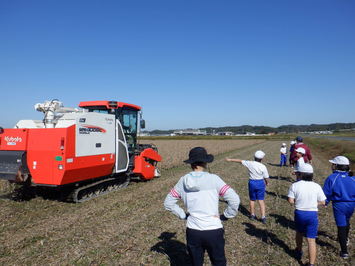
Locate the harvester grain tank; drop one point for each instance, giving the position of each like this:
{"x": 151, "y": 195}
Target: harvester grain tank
{"x": 88, "y": 151}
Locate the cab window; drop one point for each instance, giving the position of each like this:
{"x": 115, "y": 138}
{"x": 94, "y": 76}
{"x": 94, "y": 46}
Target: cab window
{"x": 100, "y": 111}
{"x": 129, "y": 121}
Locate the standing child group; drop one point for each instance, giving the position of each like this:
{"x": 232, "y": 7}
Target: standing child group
{"x": 307, "y": 156}
{"x": 200, "y": 192}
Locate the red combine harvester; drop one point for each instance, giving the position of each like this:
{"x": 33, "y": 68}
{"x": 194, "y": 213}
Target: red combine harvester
{"x": 88, "y": 152}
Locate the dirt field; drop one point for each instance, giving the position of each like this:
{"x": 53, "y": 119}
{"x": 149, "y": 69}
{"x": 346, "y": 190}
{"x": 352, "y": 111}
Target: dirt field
{"x": 175, "y": 151}
{"x": 131, "y": 227}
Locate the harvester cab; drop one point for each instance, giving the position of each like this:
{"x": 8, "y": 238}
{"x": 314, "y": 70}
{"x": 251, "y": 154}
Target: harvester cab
{"x": 127, "y": 114}
{"x": 90, "y": 151}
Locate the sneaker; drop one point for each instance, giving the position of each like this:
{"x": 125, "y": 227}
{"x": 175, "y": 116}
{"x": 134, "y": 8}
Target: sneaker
{"x": 298, "y": 254}
{"x": 345, "y": 256}
{"x": 252, "y": 217}
{"x": 263, "y": 220}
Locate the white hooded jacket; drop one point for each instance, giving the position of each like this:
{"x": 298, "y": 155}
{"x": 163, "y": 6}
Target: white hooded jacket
{"x": 200, "y": 193}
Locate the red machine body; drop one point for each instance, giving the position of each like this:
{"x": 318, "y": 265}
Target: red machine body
{"x": 144, "y": 163}
{"x": 77, "y": 146}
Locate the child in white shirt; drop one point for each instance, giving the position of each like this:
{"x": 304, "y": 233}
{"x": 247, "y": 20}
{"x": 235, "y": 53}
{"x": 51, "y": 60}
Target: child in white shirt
{"x": 283, "y": 155}
{"x": 258, "y": 180}
{"x": 306, "y": 195}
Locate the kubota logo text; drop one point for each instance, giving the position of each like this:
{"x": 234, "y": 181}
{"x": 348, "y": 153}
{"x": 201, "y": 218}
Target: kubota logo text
{"x": 12, "y": 140}
{"x": 87, "y": 129}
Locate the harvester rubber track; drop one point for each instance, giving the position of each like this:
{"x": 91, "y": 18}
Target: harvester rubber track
{"x": 98, "y": 188}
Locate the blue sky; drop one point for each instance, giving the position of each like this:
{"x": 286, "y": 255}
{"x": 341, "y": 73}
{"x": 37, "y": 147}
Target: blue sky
{"x": 189, "y": 64}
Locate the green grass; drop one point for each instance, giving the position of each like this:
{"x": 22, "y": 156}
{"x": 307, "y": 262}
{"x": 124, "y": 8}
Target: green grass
{"x": 332, "y": 148}
{"x": 343, "y": 134}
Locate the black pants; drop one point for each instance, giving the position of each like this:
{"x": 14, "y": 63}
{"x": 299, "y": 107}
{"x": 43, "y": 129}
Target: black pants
{"x": 200, "y": 241}
{"x": 343, "y": 234}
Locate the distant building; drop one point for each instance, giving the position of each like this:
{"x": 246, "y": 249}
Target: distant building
{"x": 322, "y": 132}
{"x": 143, "y": 134}
{"x": 225, "y": 133}
{"x": 190, "y": 132}
{"x": 250, "y": 133}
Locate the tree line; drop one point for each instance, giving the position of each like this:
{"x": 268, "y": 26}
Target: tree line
{"x": 265, "y": 129}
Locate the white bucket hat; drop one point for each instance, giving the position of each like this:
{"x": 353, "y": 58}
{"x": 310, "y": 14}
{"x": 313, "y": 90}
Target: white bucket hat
{"x": 292, "y": 142}
{"x": 259, "y": 154}
{"x": 305, "y": 168}
{"x": 301, "y": 150}
{"x": 341, "y": 160}
{"x": 283, "y": 144}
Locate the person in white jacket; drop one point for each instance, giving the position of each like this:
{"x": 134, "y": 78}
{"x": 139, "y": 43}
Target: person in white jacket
{"x": 200, "y": 192}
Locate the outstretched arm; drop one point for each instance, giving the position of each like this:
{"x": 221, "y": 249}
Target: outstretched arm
{"x": 233, "y": 160}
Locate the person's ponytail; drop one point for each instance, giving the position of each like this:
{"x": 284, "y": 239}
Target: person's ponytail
{"x": 345, "y": 168}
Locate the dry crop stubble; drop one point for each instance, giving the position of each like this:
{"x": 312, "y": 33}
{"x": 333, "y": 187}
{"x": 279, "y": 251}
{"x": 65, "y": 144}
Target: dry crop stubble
{"x": 273, "y": 244}
{"x": 175, "y": 151}
{"x": 131, "y": 227}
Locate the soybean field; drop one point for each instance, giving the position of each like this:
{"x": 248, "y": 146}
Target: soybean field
{"x": 131, "y": 227}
